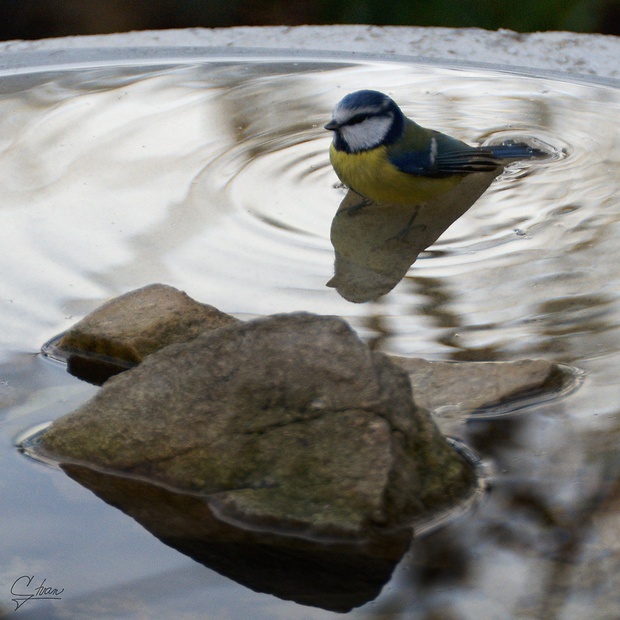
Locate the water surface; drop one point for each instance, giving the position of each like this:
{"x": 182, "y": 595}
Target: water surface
{"x": 213, "y": 177}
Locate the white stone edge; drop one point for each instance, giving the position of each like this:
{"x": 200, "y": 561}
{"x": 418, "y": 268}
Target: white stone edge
{"x": 589, "y": 57}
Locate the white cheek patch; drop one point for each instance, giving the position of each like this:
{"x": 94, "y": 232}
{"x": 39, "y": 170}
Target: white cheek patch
{"x": 367, "y": 134}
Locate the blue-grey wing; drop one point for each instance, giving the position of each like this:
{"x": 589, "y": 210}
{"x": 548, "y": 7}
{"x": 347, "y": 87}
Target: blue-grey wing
{"x": 414, "y": 162}
{"x": 441, "y": 156}
{"x": 431, "y": 153}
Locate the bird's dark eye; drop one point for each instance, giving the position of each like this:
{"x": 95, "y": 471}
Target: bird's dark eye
{"x": 357, "y": 119}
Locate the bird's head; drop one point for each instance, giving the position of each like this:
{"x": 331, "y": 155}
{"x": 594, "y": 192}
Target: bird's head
{"x": 364, "y": 120}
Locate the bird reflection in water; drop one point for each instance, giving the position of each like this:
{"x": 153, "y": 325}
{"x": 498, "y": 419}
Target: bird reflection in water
{"x": 407, "y": 185}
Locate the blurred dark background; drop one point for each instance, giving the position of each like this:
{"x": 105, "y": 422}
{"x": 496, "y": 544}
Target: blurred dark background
{"x": 35, "y": 19}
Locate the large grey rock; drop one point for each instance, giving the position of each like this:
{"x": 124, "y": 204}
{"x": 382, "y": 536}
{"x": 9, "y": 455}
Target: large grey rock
{"x": 289, "y": 422}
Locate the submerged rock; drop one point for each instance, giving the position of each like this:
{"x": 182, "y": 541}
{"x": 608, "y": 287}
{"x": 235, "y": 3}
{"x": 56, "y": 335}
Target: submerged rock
{"x": 485, "y": 388}
{"x": 288, "y": 423}
{"x": 122, "y": 332}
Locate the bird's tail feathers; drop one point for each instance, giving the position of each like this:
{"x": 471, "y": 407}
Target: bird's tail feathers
{"x": 514, "y": 150}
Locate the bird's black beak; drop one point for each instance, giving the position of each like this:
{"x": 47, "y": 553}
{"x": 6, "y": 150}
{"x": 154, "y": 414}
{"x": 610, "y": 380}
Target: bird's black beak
{"x": 332, "y": 125}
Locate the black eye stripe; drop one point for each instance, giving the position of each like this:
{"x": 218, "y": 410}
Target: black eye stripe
{"x": 358, "y": 118}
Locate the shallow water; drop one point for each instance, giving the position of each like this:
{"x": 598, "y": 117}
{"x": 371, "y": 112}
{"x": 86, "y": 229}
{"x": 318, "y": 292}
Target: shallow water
{"x": 213, "y": 177}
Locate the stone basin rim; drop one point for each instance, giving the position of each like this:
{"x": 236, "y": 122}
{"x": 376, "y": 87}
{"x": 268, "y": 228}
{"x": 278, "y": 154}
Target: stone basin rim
{"x": 40, "y": 61}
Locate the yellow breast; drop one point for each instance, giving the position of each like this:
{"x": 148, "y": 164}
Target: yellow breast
{"x": 371, "y": 174}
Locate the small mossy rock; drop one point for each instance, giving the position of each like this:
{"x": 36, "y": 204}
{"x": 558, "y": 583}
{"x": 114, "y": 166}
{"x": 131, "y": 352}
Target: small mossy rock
{"x": 134, "y": 325}
{"x": 122, "y": 332}
{"x": 288, "y": 423}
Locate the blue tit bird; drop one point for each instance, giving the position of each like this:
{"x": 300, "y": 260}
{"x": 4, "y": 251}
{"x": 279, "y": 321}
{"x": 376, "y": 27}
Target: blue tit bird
{"x": 387, "y": 158}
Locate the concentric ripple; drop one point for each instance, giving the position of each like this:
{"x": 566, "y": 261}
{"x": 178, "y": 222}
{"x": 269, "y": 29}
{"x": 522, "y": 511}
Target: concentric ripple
{"x": 215, "y": 178}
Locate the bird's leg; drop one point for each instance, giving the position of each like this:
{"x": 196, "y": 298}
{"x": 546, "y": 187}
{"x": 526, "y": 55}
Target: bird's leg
{"x": 358, "y": 206}
{"x": 404, "y": 231}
